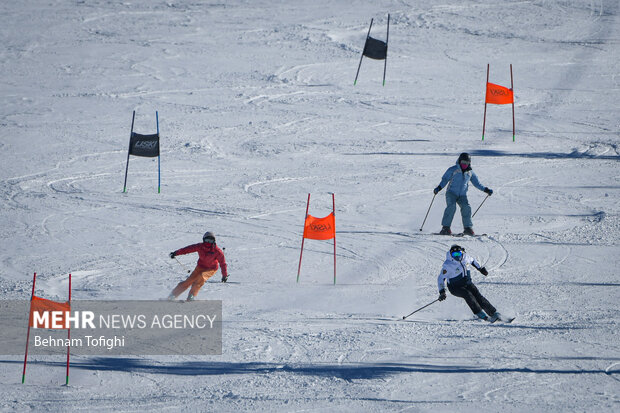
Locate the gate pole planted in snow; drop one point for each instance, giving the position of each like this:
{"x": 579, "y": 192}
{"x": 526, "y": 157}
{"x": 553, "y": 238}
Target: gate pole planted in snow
{"x": 158, "y": 155}
{"x": 334, "y": 213}
{"x": 360, "y": 65}
{"x": 129, "y": 150}
{"x": 387, "y": 37}
{"x": 68, "y": 333}
{"x": 512, "y": 87}
{"x": 303, "y": 238}
{"x": 486, "y": 85}
{"x": 34, "y": 280}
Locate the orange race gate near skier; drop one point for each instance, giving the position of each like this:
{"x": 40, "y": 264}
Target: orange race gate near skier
{"x": 319, "y": 229}
{"x": 499, "y": 95}
{"x": 44, "y": 314}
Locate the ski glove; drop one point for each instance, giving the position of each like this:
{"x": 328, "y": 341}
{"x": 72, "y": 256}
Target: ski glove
{"x": 172, "y": 255}
{"x": 484, "y": 271}
{"x": 488, "y": 191}
{"x": 224, "y": 279}
{"x": 442, "y": 295}
{"x": 436, "y": 190}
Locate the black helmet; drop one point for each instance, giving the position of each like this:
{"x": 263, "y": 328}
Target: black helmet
{"x": 456, "y": 252}
{"x": 464, "y": 157}
{"x": 208, "y": 237}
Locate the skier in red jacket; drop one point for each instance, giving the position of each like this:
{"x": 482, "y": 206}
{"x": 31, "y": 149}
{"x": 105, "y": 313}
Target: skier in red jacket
{"x": 209, "y": 256}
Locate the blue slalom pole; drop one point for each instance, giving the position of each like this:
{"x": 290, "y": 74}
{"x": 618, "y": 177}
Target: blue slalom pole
{"x": 158, "y": 156}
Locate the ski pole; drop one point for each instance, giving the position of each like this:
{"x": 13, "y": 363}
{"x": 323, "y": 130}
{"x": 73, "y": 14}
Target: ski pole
{"x": 429, "y": 210}
{"x": 188, "y": 271}
{"x": 421, "y": 308}
{"x": 474, "y": 214}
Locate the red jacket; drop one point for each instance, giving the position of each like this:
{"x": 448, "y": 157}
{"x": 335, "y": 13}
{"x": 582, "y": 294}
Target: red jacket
{"x": 209, "y": 255}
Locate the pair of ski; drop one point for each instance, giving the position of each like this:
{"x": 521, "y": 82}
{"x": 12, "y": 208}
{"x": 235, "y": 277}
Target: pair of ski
{"x": 503, "y": 320}
{"x": 186, "y": 301}
{"x": 461, "y": 235}
{"x": 507, "y": 320}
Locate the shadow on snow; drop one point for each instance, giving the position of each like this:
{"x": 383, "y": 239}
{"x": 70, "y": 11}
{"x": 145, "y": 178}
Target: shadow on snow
{"x": 496, "y": 153}
{"x": 342, "y": 371}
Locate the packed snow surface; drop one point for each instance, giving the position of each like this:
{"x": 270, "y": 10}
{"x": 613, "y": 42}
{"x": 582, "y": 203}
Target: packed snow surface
{"x": 257, "y": 109}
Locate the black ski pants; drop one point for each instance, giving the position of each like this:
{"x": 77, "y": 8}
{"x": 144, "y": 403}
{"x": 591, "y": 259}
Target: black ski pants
{"x": 468, "y": 291}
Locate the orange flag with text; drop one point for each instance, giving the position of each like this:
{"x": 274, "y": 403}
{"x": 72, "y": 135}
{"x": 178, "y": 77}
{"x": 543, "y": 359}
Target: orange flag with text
{"x": 42, "y": 306}
{"x": 48, "y": 314}
{"x": 320, "y": 228}
{"x": 499, "y": 95}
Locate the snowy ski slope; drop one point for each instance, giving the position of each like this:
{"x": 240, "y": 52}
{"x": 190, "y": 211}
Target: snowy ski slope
{"x": 257, "y": 109}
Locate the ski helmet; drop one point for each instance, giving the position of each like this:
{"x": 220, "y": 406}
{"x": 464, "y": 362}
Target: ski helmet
{"x": 464, "y": 157}
{"x": 208, "y": 237}
{"x": 456, "y": 252}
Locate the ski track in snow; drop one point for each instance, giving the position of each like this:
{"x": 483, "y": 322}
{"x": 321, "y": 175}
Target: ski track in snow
{"x": 257, "y": 109}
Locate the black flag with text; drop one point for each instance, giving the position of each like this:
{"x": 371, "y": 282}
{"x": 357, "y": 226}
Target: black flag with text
{"x": 144, "y": 145}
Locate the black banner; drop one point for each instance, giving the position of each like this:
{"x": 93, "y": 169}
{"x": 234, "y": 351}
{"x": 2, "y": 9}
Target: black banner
{"x": 144, "y": 145}
{"x": 375, "y": 49}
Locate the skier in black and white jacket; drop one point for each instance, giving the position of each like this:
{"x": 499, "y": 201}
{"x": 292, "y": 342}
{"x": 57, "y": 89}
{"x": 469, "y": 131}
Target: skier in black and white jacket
{"x": 458, "y": 277}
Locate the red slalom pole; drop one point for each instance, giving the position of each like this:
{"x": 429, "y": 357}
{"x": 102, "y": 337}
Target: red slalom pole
{"x": 334, "y": 213}
{"x": 484, "y": 121}
{"x": 303, "y": 238}
{"x": 512, "y": 87}
{"x": 68, "y": 333}
{"x": 34, "y": 279}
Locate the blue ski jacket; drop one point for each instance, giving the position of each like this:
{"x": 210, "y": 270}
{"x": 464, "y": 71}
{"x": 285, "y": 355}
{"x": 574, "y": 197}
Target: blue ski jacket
{"x": 458, "y": 180}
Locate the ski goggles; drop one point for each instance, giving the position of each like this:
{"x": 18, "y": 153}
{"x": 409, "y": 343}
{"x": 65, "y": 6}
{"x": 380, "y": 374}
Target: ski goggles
{"x": 457, "y": 254}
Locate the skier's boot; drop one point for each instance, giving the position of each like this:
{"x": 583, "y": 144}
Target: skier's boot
{"x": 468, "y": 231}
{"x": 171, "y": 297}
{"x": 190, "y": 298}
{"x": 482, "y": 315}
{"x": 445, "y": 231}
{"x": 495, "y": 317}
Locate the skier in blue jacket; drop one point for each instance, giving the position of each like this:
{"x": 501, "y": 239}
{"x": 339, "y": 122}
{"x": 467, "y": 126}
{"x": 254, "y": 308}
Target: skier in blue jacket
{"x": 457, "y": 178}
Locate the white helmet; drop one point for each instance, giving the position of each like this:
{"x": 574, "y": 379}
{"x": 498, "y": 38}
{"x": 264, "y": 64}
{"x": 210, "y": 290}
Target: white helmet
{"x": 208, "y": 237}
